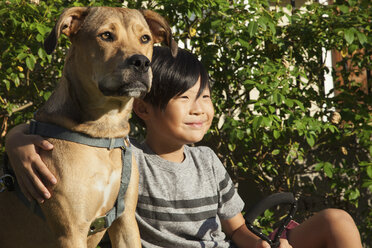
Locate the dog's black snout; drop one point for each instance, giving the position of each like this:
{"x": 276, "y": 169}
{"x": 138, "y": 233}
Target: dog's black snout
{"x": 140, "y": 62}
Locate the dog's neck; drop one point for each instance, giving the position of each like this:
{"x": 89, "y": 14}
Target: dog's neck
{"x": 74, "y": 108}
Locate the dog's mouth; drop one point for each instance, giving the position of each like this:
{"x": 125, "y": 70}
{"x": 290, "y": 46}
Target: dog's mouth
{"x": 136, "y": 89}
{"x": 128, "y": 79}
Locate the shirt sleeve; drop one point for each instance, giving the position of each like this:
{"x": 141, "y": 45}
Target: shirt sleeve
{"x": 229, "y": 202}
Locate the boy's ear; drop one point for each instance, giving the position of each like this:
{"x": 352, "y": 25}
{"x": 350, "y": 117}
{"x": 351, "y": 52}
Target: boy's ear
{"x": 141, "y": 109}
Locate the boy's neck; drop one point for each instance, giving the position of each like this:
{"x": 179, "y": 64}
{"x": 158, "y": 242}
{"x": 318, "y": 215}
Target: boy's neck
{"x": 172, "y": 153}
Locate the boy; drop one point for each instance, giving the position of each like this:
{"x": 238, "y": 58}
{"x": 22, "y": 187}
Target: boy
{"x": 186, "y": 198}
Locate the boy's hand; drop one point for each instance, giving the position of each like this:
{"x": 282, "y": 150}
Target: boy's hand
{"x": 236, "y": 229}
{"x": 31, "y": 172}
{"x": 263, "y": 244}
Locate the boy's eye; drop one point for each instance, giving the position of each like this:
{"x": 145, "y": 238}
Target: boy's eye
{"x": 206, "y": 96}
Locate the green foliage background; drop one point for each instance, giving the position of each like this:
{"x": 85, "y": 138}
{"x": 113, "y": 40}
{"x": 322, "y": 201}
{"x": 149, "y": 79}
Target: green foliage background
{"x": 288, "y": 138}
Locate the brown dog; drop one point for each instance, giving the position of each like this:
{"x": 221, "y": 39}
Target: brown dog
{"x": 106, "y": 66}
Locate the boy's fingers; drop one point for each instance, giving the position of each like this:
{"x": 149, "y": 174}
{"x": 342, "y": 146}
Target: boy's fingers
{"x": 33, "y": 191}
{"x": 284, "y": 243}
{"x": 30, "y": 183}
{"x": 39, "y": 186}
{"x": 41, "y": 169}
{"x": 41, "y": 142}
{"x": 29, "y": 192}
{"x": 263, "y": 244}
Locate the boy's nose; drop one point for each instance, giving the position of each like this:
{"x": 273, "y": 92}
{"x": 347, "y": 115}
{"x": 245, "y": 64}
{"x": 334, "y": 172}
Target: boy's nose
{"x": 196, "y": 108}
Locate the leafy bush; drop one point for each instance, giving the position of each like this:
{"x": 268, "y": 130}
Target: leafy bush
{"x": 289, "y": 135}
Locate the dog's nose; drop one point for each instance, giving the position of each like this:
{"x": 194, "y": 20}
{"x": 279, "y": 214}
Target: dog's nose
{"x": 140, "y": 62}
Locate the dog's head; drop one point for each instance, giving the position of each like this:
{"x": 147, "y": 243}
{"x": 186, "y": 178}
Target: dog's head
{"x": 112, "y": 47}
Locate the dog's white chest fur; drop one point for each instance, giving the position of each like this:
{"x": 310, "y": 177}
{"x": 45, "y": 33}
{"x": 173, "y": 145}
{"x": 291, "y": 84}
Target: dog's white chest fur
{"x": 106, "y": 188}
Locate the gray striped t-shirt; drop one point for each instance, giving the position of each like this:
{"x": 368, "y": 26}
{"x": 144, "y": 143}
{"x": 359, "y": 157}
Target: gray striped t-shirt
{"x": 181, "y": 204}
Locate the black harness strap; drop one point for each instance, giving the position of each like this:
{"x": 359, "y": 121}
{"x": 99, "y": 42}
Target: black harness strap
{"x": 57, "y": 132}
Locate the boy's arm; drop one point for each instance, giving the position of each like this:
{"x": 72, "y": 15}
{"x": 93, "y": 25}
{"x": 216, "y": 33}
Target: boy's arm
{"x": 31, "y": 172}
{"x": 236, "y": 229}
{"x": 238, "y": 232}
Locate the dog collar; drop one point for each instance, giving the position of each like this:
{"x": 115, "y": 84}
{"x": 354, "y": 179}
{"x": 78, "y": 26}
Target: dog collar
{"x": 58, "y": 132}
{"x": 53, "y": 131}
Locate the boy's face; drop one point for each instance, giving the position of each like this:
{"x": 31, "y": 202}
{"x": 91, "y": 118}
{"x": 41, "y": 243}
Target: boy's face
{"x": 185, "y": 120}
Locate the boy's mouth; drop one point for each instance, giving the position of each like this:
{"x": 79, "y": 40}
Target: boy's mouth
{"x": 196, "y": 124}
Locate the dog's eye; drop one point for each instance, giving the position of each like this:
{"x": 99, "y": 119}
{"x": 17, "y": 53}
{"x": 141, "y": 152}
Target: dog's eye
{"x": 145, "y": 39}
{"x": 107, "y": 36}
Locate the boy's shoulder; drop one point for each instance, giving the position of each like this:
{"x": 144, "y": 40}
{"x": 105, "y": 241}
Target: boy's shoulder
{"x": 134, "y": 141}
{"x": 137, "y": 146}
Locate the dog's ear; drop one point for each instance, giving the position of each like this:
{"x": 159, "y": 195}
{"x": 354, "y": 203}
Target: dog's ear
{"x": 160, "y": 30}
{"x": 68, "y": 23}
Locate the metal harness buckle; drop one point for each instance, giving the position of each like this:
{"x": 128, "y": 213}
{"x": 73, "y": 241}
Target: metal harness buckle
{"x": 97, "y": 225}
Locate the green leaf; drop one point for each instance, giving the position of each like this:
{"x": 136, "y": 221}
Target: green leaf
{"x": 272, "y": 27}
{"x": 272, "y": 109}
{"x": 319, "y": 166}
{"x": 289, "y": 159}
{"x": 41, "y": 53}
{"x": 276, "y": 134}
{"x": 300, "y": 104}
{"x": 21, "y": 56}
{"x": 278, "y": 98}
{"x": 367, "y": 184}
{"x": 328, "y": 169}
{"x": 30, "y": 63}
{"x": 344, "y": 8}
{"x": 39, "y": 38}
{"x": 369, "y": 171}
{"x": 289, "y": 102}
{"x": 240, "y": 134}
{"x": 3, "y": 11}
{"x": 310, "y": 139}
{"x": 16, "y": 81}
{"x": 42, "y": 29}
{"x": 237, "y": 57}
{"x": 244, "y": 43}
{"x": 353, "y": 194}
{"x": 349, "y": 35}
{"x": 266, "y": 121}
{"x": 362, "y": 38}
{"x": 332, "y": 128}
{"x": 249, "y": 82}
{"x": 268, "y": 213}
{"x": 262, "y": 22}
{"x": 257, "y": 122}
{"x": 46, "y": 95}
{"x": 231, "y": 147}
{"x": 275, "y": 152}
{"x": 252, "y": 28}
{"x": 216, "y": 23}
{"x": 7, "y": 84}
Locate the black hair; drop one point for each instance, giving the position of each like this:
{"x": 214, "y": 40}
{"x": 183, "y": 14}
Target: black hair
{"x": 172, "y": 76}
